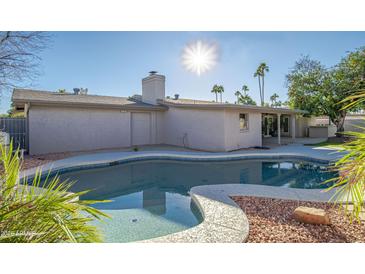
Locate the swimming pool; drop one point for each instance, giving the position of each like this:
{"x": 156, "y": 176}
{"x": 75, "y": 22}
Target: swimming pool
{"x": 150, "y": 198}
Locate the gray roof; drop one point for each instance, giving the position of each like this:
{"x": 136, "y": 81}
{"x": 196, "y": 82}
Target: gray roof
{"x": 22, "y": 96}
{"x": 188, "y": 101}
{"x": 201, "y": 104}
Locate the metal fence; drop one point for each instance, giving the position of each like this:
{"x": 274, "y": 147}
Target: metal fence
{"x": 17, "y": 130}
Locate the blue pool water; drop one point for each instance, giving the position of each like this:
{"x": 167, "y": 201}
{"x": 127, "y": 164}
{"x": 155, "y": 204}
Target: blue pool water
{"x": 150, "y": 198}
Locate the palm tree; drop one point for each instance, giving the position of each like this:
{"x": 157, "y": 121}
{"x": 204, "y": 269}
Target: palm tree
{"x": 46, "y": 209}
{"x": 260, "y": 74}
{"x": 237, "y": 94}
{"x": 273, "y": 99}
{"x": 350, "y": 184}
{"x": 215, "y": 90}
{"x": 218, "y": 89}
{"x": 221, "y": 90}
{"x": 245, "y": 89}
{"x": 257, "y": 74}
{"x": 264, "y": 68}
{"x": 244, "y": 98}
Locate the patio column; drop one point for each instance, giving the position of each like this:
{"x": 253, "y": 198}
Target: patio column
{"x": 279, "y": 129}
{"x": 293, "y": 126}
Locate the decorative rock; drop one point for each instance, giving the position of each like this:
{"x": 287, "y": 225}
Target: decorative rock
{"x": 310, "y": 215}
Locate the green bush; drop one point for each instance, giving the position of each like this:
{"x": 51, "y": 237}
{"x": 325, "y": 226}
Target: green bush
{"x": 51, "y": 213}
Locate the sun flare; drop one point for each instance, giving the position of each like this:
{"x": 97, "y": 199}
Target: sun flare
{"x": 199, "y": 57}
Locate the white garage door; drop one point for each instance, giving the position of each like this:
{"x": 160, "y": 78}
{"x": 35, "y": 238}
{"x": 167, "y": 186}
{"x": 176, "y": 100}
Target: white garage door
{"x": 141, "y": 129}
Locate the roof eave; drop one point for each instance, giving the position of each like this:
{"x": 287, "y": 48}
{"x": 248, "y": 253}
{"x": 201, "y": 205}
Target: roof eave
{"x": 236, "y": 106}
{"x": 19, "y": 102}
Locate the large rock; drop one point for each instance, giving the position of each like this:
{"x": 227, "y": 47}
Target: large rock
{"x": 310, "y": 215}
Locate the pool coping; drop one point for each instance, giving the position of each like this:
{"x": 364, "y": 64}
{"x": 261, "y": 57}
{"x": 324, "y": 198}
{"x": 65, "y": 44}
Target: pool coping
{"x": 59, "y": 166}
{"x": 223, "y": 220}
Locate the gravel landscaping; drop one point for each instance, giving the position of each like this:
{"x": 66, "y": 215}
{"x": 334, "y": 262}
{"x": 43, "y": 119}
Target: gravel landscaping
{"x": 271, "y": 221}
{"x": 34, "y": 161}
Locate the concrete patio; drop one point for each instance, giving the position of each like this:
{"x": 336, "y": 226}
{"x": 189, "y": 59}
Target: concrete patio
{"x": 273, "y": 141}
{"x": 103, "y": 157}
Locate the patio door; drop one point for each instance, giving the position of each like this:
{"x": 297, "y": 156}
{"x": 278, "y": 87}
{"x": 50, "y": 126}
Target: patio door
{"x": 268, "y": 127}
{"x": 285, "y": 125}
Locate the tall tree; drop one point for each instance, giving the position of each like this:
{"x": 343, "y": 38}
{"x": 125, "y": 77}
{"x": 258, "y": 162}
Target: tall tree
{"x": 321, "y": 90}
{"x": 245, "y": 89}
{"x": 274, "y": 100}
{"x": 221, "y": 90}
{"x": 217, "y": 89}
{"x": 19, "y": 57}
{"x": 260, "y": 74}
{"x": 257, "y": 74}
{"x": 244, "y": 98}
{"x": 237, "y": 94}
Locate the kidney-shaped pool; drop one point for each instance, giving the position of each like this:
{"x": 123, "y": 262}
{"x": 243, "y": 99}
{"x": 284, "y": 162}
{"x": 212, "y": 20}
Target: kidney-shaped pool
{"x": 150, "y": 198}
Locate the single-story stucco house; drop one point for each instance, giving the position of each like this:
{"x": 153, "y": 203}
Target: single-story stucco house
{"x": 65, "y": 122}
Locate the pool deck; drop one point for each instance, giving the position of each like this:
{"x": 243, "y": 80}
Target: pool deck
{"x": 293, "y": 151}
{"x": 223, "y": 220}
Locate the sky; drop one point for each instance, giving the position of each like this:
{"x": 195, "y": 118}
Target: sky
{"x": 113, "y": 63}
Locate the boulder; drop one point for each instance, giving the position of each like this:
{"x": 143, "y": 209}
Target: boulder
{"x": 310, "y": 215}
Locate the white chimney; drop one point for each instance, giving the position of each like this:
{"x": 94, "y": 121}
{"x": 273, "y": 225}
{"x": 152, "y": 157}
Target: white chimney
{"x": 153, "y": 88}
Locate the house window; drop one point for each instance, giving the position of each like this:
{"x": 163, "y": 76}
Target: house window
{"x": 243, "y": 121}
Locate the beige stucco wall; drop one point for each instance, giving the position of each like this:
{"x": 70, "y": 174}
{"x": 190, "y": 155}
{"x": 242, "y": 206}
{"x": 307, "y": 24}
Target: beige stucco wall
{"x": 64, "y": 129}
{"x": 159, "y": 129}
{"x": 301, "y": 126}
{"x": 212, "y": 130}
{"x": 236, "y": 139}
{"x": 203, "y": 129}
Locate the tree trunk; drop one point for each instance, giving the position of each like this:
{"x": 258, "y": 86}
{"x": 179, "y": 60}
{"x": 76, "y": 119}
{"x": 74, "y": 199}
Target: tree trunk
{"x": 216, "y": 97}
{"x": 258, "y": 77}
{"x": 221, "y": 96}
{"x": 339, "y": 122}
{"x": 263, "y": 89}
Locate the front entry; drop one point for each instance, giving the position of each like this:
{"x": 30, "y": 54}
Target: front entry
{"x": 141, "y": 128}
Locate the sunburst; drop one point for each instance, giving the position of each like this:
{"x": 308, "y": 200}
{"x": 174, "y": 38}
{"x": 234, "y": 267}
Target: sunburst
{"x": 199, "y": 57}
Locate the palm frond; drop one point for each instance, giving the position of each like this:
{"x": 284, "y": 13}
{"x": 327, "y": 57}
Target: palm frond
{"x": 42, "y": 210}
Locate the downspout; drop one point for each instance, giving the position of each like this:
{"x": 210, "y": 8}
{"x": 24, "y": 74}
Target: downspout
{"x": 26, "y": 114}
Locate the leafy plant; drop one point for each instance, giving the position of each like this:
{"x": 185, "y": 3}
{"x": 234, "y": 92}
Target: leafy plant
{"x": 42, "y": 212}
{"x": 322, "y": 91}
{"x": 350, "y": 183}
